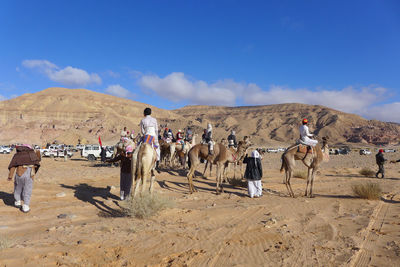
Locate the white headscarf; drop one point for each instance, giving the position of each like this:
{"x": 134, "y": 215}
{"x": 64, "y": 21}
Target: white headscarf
{"x": 209, "y": 127}
{"x": 255, "y": 155}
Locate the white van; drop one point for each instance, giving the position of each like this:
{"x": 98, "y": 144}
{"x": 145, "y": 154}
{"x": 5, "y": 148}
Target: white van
{"x": 92, "y": 152}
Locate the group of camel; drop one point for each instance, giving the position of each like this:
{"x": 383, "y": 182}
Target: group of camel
{"x": 144, "y": 161}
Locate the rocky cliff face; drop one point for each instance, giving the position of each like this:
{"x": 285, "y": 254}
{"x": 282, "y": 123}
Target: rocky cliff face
{"x": 67, "y": 115}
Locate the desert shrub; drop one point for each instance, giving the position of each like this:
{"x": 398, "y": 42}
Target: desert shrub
{"x": 4, "y": 242}
{"x": 366, "y": 172}
{"x": 367, "y": 190}
{"x": 145, "y": 205}
{"x": 238, "y": 182}
{"x": 300, "y": 174}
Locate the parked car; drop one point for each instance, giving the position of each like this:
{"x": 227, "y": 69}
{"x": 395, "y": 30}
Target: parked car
{"x": 272, "y": 150}
{"x": 92, "y": 152}
{"x": 5, "y": 149}
{"x": 80, "y": 147}
{"x": 390, "y": 150}
{"x": 365, "y": 152}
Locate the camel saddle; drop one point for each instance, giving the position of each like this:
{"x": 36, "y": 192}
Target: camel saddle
{"x": 149, "y": 140}
{"x": 304, "y": 149}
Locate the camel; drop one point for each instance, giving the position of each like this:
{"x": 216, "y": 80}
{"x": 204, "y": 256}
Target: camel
{"x": 176, "y": 150}
{"x": 225, "y": 157}
{"x": 143, "y": 166}
{"x": 221, "y": 156}
{"x": 311, "y": 161}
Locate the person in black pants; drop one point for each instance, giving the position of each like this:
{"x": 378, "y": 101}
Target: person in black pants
{"x": 380, "y": 160}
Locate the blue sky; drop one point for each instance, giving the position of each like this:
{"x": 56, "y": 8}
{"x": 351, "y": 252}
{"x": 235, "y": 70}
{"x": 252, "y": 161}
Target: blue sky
{"x": 342, "y": 54}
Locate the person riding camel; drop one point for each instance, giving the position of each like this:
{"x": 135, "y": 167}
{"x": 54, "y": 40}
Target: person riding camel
{"x": 179, "y": 138}
{"x": 204, "y": 137}
{"x": 149, "y": 128}
{"x": 209, "y": 140}
{"x": 189, "y": 135}
{"x": 165, "y": 133}
{"x": 305, "y": 135}
{"x": 232, "y": 139}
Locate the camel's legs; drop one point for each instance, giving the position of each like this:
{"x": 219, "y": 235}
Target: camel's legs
{"x": 286, "y": 182}
{"x": 312, "y": 182}
{"x": 137, "y": 184}
{"x": 309, "y": 171}
{"x": 289, "y": 176}
{"x": 205, "y": 169}
{"x": 152, "y": 179}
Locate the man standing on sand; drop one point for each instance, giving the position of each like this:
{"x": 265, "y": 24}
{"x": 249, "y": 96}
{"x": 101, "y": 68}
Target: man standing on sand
{"x": 125, "y": 180}
{"x": 149, "y": 126}
{"x": 25, "y": 163}
{"x": 380, "y": 160}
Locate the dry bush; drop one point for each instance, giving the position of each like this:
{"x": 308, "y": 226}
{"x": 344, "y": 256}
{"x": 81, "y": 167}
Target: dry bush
{"x": 300, "y": 174}
{"x": 4, "y": 242}
{"x": 145, "y": 205}
{"x": 366, "y": 172}
{"x": 367, "y": 190}
{"x": 238, "y": 182}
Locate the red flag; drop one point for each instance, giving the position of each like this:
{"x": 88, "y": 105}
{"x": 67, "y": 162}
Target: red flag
{"x": 100, "y": 141}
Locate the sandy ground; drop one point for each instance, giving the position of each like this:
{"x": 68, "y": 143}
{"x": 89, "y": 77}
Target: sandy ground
{"x": 203, "y": 229}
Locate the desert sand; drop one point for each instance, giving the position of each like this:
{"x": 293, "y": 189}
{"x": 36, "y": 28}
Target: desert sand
{"x": 202, "y": 229}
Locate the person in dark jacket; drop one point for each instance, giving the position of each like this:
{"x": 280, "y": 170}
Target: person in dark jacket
{"x": 232, "y": 139}
{"x": 125, "y": 175}
{"x": 253, "y": 174}
{"x": 380, "y": 160}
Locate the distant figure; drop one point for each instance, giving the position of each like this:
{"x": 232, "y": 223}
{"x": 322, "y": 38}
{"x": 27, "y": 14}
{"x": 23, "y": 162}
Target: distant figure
{"x": 380, "y": 160}
{"x": 189, "y": 135}
{"x": 26, "y": 163}
{"x": 165, "y": 133}
{"x": 103, "y": 154}
{"x": 209, "y": 140}
{"x": 179, "y": 137}
{"x": 125, "y": 180}
{"x": 204, "y": 137}
{"x": 253, "y": 174}
{"x": 305, "y": 134}
{"x": 124, "y": 133}
{"x": 232, "y": 139}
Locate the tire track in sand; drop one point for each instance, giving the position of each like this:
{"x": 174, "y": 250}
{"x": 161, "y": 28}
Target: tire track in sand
{"x": 364, "y": 255}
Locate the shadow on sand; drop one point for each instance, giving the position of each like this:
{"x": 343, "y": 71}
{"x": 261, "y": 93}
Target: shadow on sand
{"x": 88, "y": 193}
{"x": 8, "y": 199}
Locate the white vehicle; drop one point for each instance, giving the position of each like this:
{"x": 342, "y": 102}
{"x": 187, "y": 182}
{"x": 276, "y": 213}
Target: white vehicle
{"x": 92, "y": 152}
{"x": 365, "y": 152}
{"x": 272, "y": 150}
{"x": 5, "y": 149}
{"x": 80, "y": 147}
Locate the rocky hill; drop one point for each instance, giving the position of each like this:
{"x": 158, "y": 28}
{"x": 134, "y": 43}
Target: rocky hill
{"x": 280, "y": 123}
{"x": 67, "y": 115}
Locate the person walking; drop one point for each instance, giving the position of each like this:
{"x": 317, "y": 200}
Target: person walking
{"x": 380, "y": 161}
{"x": 253, "y": 174}
{"x": 25, "y": 164}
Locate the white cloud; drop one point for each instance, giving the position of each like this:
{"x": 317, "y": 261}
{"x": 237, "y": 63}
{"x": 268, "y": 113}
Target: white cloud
{"x": 119, "y": 91}
{"x": 113, "y": 74}
{"x": 2, "y": 98}
{"x": 387, "y": 112}
{"x": 348, "y": 99}
{"x": 177, "y": 87}
{"x": 69, "y": 76}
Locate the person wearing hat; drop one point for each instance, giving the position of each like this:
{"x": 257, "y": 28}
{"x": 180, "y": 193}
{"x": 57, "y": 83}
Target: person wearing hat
{"x": 380, "y": 160}
{"x": 179, "y": 138}
{"x": 305, "y": 134}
